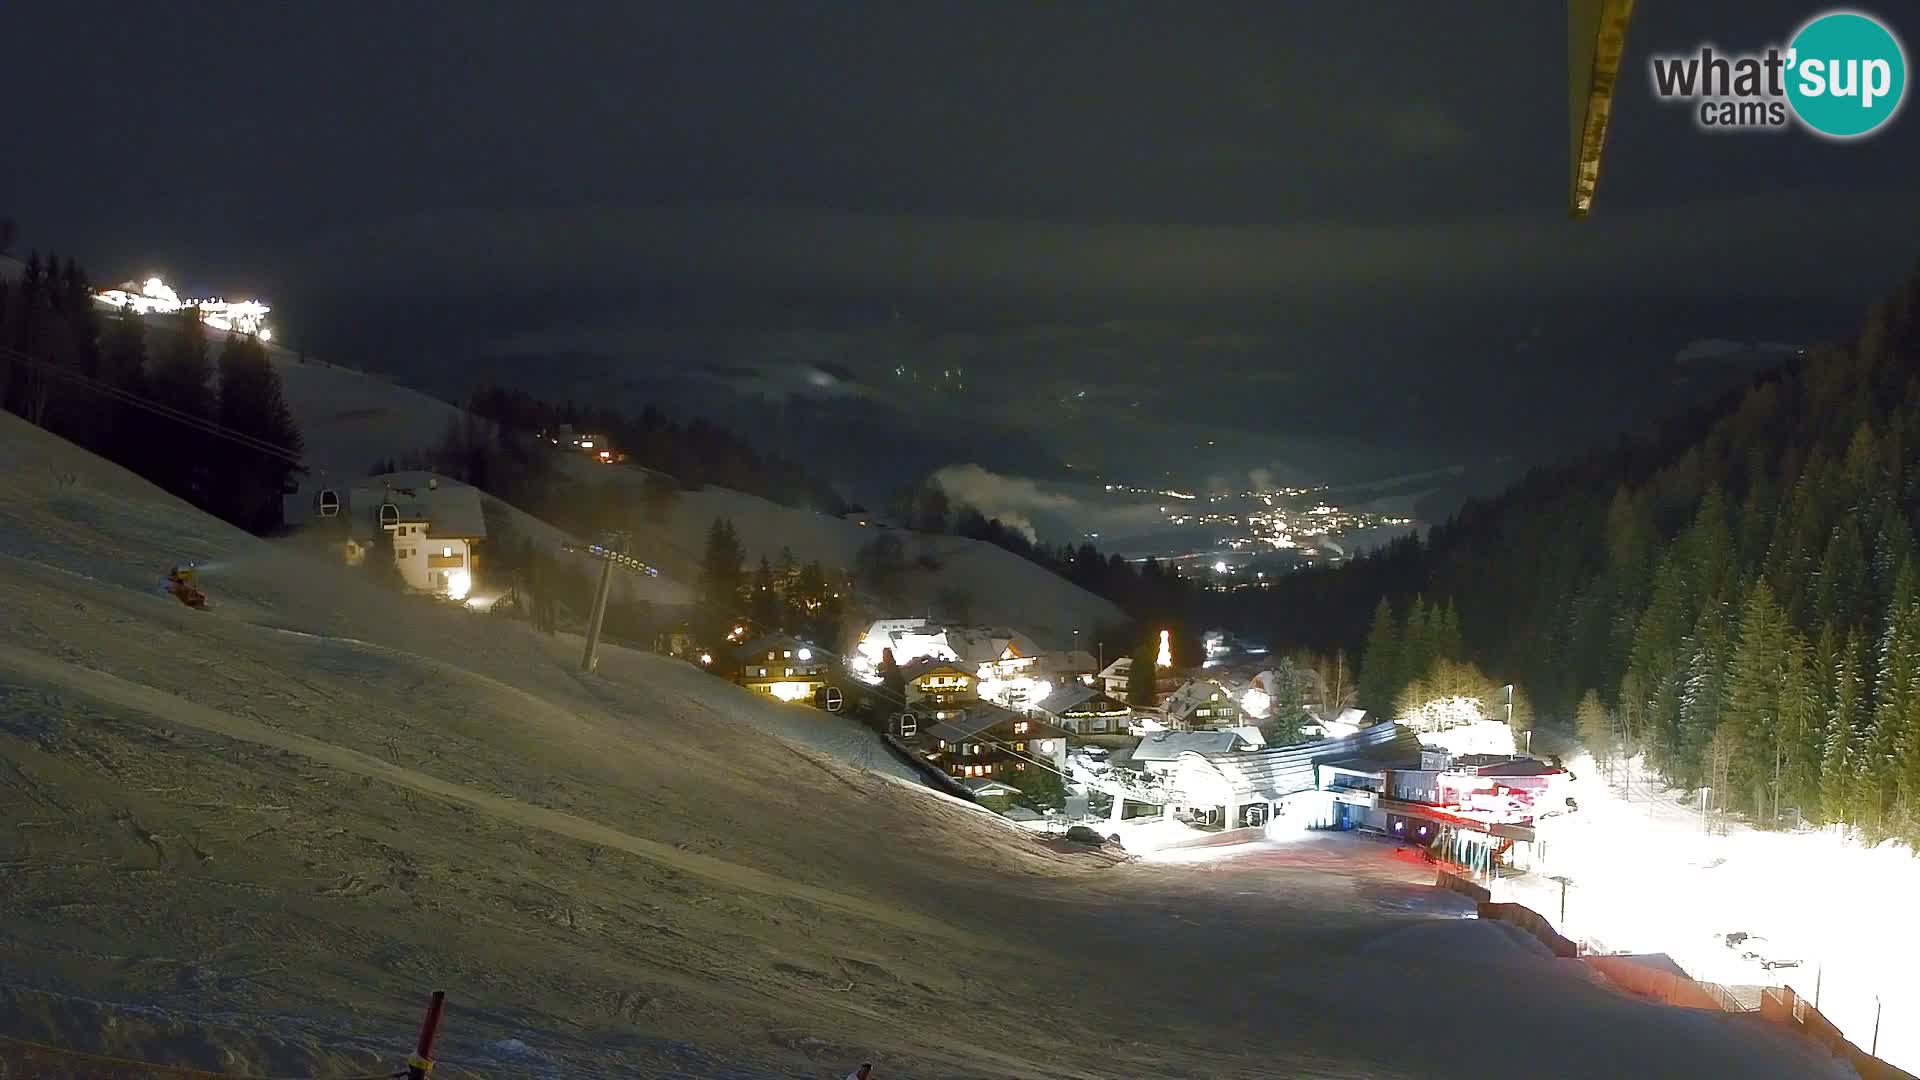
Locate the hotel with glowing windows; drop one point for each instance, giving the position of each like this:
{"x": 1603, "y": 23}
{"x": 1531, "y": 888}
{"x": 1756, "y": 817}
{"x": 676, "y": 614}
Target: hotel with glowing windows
{"x": 782, "y": 667}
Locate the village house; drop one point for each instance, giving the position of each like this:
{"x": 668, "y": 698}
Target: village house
{"x": 434, "y": 523}
{"x": 781, "y": 666}
{"x": 1117, "y": 677}
{"x": 986, "y": 741}
{"x": 1200, "y": 705}
{"x": 932, "y": 684}
{"x": 1071, "y": 666}
{"x": 1084, "y": 710}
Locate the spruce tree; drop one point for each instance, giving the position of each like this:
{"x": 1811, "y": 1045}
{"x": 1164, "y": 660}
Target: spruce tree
{"x": 250, "y": 482}
{"x": 1380, "y": 677}
{"x": 1143, "y": 675}
{"x": 720, "y": 582}
{"x": 1898, "y": 667}
{"x": 763, "y": 600}
{"x": 1800, "y": 728}
{"x": 1595, "y": 726}
{"x": 1753, "y": 694}
{"x": 1417, "y": 651}
{"x": 1701, "y": 698}
{"x": 1839, "y": 761}
{"x": 1447, "y": 643}
{"x": 181, "y": 381}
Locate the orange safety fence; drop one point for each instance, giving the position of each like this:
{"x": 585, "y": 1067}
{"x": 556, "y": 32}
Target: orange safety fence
{"x": 1533, "y": 923}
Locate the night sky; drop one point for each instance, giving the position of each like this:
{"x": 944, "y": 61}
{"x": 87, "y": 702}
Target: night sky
{"x": 1328, "y": 238}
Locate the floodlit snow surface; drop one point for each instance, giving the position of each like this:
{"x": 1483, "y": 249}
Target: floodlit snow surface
{"x": 253, "y": 838}
{"x": 1646, "y": 876}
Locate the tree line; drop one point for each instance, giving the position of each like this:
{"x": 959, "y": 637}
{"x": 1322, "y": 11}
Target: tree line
{"x": 808, "y": 601}
{"x": 1731, "y": 592}
{"x": 149, "y": 393}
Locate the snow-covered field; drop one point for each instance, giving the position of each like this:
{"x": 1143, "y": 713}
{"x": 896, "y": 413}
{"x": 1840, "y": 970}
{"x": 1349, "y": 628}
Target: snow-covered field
{"x": 257, "y": 835}
{"x": 1646, "y": 876}
{"x": 1000, "y": 587}
{"x": 350, "y": 419}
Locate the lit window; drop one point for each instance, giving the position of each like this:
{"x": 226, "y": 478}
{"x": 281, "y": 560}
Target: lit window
{"x": 1021, "y": 746}
{"x": 446, "y": 553}
{"x": 786, "y": 654}
{"x": 789, "y": 671}
{"x": 1020, "y": 727}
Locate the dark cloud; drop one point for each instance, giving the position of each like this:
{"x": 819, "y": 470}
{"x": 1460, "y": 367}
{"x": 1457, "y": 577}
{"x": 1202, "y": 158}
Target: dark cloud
{"x": 1324, "y": 236}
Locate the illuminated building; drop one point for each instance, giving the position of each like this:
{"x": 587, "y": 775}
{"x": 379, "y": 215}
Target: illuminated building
{"x": 434, "y": 526}
{"x": 1083, "y": 710}
{"x": 156, "y": 297}
{"x": 1199, "y": 705}
{"x": 982, "y": 741}
{"x": 782, "y": 667}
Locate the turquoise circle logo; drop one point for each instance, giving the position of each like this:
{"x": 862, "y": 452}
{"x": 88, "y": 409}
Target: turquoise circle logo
{"x": 1847, "y": 74}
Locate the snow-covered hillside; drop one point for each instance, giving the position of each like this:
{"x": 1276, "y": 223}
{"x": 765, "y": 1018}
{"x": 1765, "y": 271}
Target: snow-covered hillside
{"x": 999, "y": 587}
{"x": 351, "y": 419}
{"x": 295, "y": 812}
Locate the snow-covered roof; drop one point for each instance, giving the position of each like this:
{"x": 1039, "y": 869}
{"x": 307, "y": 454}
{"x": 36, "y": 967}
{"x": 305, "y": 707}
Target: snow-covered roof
{"x": 1277, "y": 772}
{"x": 977, "y": 717}
{"x": 1195, "y": 694}
{"x": 771, "y": 642}
{"x": 1072, "y": 662}
{"x": 450, "y": 509}
{"x": 1080, "y": 700}
{"x": 989, "y": 786}
{"x": 922, "y": 668}
{"x": 1168, "y": 745}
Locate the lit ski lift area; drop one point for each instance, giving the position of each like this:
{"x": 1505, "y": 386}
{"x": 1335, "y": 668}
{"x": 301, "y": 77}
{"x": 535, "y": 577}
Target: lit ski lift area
{"x": 156, "y": 297}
